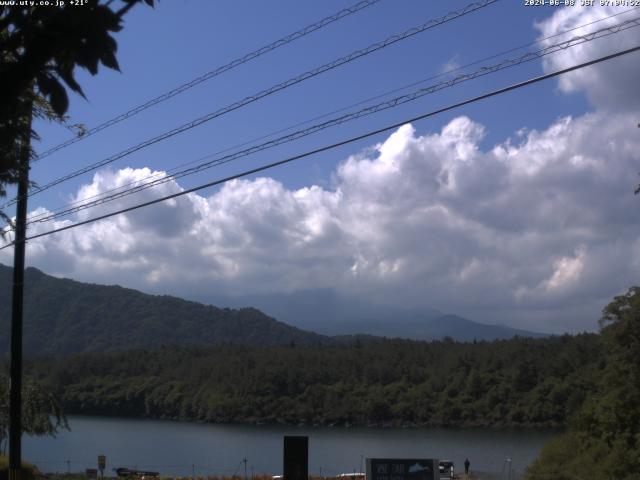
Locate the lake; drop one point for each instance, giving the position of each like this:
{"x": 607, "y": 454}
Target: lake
{"x": 180, "y": 448}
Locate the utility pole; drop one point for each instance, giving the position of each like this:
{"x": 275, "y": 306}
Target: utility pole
{"x": 15, "y": 374}
{"x": 245, "y": 467}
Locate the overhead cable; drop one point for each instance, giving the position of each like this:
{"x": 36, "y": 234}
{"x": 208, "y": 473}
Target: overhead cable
{"x": 269, "y": 91}
{"x": 211, "y": 74}
{"x": 319, "y": 117}
{"x": 394, "y": 102}
{"x": 337, "y": 144}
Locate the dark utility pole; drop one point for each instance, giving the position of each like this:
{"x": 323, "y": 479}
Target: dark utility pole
{"x": 15, "y": 389}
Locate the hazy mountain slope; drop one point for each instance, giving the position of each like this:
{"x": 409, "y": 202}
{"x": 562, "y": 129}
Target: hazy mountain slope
{"x": 458, "y": 328}
{"x": 319, "y": 308}
{"x": 463, "y": 329}
{"x": 64, "y": 316}
{"x": 326, "y": 312}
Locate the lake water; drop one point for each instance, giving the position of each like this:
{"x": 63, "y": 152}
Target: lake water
{"x": 179, "y": 448}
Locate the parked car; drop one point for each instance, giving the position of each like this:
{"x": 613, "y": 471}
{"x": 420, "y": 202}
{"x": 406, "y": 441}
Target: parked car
{"x": 445, "y": 467}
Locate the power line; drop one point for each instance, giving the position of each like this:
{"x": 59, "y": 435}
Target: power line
{"x": 62, "y": 211}
{"x": 214, "y": 73}
{"x": 264, "y": 93}
{"x": 577, "y": 40}
{"x": 337, "y": 144}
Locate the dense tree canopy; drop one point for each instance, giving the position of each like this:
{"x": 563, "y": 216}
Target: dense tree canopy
{"x": 523, "y": 382}
{"x": 604, "y": 438}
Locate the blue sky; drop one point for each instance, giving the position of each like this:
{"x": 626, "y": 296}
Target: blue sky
{"x": 177, "y": 41}
{"x": 555, "y": 283}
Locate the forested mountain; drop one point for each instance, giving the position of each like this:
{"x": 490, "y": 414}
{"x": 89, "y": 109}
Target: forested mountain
{"x": 64, "y": 316}
{"x": 519, "y": 382}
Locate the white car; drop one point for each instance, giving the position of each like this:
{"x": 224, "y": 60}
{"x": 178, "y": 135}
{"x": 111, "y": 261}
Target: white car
{"x": 445, "y": 467}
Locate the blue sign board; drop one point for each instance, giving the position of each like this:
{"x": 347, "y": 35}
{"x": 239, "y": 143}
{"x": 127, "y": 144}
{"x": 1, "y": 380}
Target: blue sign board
{"x": 402, "y": 469}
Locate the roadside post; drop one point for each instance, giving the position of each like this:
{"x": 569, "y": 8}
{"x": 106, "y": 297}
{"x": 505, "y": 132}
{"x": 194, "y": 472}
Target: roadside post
{"x": 102, "y": 464}
{"x": 296, "y": 458}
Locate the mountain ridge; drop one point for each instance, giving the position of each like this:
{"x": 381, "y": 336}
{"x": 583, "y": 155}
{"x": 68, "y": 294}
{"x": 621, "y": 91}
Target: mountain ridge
{"x": 326, "y": 312}
{"x": 64, "y": 316}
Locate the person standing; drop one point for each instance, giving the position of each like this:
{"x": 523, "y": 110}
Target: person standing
{"x": 466, "y": 466}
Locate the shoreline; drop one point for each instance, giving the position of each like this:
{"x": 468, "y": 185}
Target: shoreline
{"x": 390, "y": 425}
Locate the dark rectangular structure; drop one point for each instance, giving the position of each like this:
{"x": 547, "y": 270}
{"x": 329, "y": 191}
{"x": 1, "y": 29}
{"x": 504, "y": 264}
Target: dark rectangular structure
{"x": 402, "y": 469}
{"x": 296, "y": 458}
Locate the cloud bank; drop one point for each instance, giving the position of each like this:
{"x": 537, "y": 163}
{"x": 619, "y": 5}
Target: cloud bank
{"x": 539, "y": 231}
{"x": 547, "y": 223}
{"x": 610, "y": 86}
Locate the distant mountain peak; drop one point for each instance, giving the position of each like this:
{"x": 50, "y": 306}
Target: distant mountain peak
{"x": 327, "y": 312}
{"x": 65, "y": 316}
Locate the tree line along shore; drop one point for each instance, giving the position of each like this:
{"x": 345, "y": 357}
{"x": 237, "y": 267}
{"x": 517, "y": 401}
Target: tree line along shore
{"x": 587, "y": 384}
{"x": 519, "y": 382}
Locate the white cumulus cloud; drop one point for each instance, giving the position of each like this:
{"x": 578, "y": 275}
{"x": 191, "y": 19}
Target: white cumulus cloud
{"x": 546, "y": 223}
{"x": 539, "y": 231}
{"x": 611, "y": 85}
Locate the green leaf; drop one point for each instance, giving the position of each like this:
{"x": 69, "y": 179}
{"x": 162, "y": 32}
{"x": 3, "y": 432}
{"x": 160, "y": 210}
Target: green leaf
{"x": 55, "y": 93}
{"x": 67, "y": 75}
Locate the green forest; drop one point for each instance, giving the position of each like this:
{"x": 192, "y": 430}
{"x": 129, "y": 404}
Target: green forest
{"x": 603, "y": 436}
{"x": 519, "y": 382}
{"x": 588, "y": 385}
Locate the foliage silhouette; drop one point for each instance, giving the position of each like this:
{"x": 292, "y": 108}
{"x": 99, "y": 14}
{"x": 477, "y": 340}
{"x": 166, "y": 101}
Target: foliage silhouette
{"x": 41, "y": 411}
{"x": 41, "y": 47}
